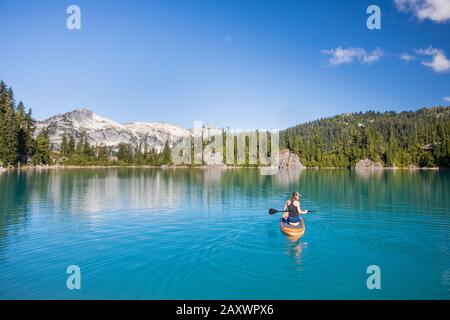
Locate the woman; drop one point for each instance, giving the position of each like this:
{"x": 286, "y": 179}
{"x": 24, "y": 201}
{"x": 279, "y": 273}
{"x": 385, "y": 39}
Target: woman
{"x": 292, "y": 207}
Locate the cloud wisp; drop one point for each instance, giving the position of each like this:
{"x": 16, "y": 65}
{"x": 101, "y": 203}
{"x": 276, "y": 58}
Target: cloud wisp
{"x": 447, "y": 99}
{"x": 407, "y": 57}
{"x": 433, "y": 58}
{"x": 439, "y": 61}
{"x": 342, "y": 55}
{"x": 435, "y": 10}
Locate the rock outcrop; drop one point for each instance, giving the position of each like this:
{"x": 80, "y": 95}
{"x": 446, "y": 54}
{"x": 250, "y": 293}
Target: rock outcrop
{"x": 368, "y": 164}
{"x": 289, "y": 160}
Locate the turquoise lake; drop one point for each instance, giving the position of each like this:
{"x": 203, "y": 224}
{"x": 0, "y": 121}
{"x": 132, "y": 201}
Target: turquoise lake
{"x": 206, "y": 234}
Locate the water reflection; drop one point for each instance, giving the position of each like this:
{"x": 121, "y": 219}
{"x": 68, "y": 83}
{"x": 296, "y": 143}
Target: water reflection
{"x": 295, "y": 248}
{"x": 93, "y": 190}
{"x": 287, "y": 177}
{"x": 368, "y": 172}
{"x": 110, "y": 219}
{"x": 15, "y": 203}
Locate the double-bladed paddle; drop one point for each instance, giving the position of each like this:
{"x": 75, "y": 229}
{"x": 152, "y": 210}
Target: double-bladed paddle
{"x": 273, "y": 211}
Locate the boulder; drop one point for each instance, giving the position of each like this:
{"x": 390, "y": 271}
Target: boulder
{"x": 289, "y": 160}
{"x": 368, "y": 164}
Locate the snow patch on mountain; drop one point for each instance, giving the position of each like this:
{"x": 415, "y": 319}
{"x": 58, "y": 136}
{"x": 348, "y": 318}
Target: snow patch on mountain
{"x": 104, "y": 131}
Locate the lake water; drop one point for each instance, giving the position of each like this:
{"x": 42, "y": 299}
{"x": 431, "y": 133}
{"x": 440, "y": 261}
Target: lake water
{"x": 207, "y": 234}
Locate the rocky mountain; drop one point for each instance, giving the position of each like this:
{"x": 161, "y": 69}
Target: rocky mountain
{"x": 104, "y": 131}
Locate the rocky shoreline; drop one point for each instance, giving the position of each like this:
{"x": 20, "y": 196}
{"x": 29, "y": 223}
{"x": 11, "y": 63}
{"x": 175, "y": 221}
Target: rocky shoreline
{"x": 62, "y": 167}
{"x": 287, "y": 161}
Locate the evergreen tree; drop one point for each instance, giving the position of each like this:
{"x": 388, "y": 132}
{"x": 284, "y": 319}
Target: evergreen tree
{"x": 165, "y": 157}
{"x": 42, "y": 155}
{"x": 64, "y": 145}
{"x": 22, "y": 133}
{"x": 139, "y": 157}
{"x": 9, "y": 138}
{"x": 102, "y": 152}
{"x": 152, "y": 157}
{"x": 125, "y": 153}
{"x": 87, "y": 149}
{"x": 29, "y": 131}
{"x": 80, "y": 146}
{"x": 71, "y": 145}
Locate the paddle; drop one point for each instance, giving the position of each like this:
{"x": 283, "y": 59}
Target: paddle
{"x": 273, "y": 211}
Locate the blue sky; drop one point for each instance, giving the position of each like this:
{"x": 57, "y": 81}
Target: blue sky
{"x": 244, "y": 64}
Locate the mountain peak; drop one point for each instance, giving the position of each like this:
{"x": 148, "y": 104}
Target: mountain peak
{"x": 83, "y": 110}
{"x": 104, "y": 131}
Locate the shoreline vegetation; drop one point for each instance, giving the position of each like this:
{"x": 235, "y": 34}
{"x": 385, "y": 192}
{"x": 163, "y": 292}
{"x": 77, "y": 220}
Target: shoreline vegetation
{"x": 412, "y": 140}
{"x": 205, "y": 167}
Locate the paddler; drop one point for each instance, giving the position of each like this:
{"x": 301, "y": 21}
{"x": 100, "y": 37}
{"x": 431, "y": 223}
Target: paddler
{"x": 292, "y": 207}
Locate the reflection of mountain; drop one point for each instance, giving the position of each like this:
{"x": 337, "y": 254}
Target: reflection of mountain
{"x": 93, "y": 191}
{"x": 97, "y": 190}
{"x": 81, "y": 191}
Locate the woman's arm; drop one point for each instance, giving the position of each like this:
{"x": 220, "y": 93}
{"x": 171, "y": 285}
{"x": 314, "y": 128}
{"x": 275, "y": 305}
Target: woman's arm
{"x": 300, "y": 210}
{"x": 285, "y": 206}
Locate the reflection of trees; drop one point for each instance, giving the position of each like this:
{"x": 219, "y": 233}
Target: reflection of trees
{"x": 92, "y": 190}
{"x": 14, "y": 203}
{"x": 390, "y": 187}
{"x": 87, "y": 191}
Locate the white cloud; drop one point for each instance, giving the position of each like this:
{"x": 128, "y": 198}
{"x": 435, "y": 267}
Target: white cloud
{"x": 438, "y": 62}
{"x": 435, "y": 10}
{"x": 407, "y": 57}
{"x": 446, "y": 99}
{"x": 373, "y": 56}
{"x": 342, "y": 55}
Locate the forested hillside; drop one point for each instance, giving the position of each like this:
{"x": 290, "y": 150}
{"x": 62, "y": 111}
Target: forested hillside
{"x": 419, "y": 138}
{"x": 16, "y": 133}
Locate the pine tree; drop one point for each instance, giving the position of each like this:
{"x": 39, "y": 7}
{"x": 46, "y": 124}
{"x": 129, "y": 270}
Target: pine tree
{"x": 29, "y": 131}
{"x": 64, "y": 142}
{"x": 87, "y": 149}
{"x": 165, "y": 156}
{"x": 102, "y": 152}
{"x": 21, "y": 135}
{"x": 9, "y": 133}
{"x": 125, "y": 153}
{"x": 42, "y": 155}
{"x": 151, "y": 157}
{"x": 80, "y": 146}
{"x": 139, "y": 157}
{"x": 71, "y": 145}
